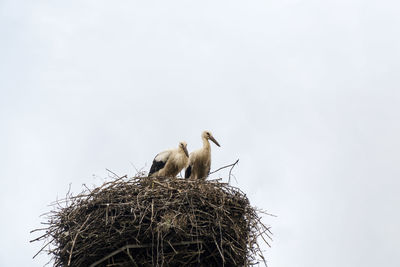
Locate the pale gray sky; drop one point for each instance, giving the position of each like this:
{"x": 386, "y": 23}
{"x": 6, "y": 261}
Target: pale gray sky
{"x": 304, "y": 93}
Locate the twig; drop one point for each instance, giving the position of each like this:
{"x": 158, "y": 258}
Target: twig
{"x": 42, "y": 248}
{"x": 136, "y": 246}
{"x": 138, "y": 171}
{"x": 76, "y": 236}
{"x": 130, "y": 257}
{"x": 118, "y": 251}
{"x": 113, "y": 173}
{"x": 224, "y": 167}
{"x": 230, "y": 171}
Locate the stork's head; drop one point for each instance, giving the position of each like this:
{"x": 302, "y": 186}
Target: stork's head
{"x": 207, "y": 135}
{"x": 183, "y": 146}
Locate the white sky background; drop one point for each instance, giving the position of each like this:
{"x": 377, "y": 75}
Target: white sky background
{"x": 304, "y": 93}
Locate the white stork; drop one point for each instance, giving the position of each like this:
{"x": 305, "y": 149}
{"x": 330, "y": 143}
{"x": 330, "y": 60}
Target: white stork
{"x": 200, "y": 160}
{"x": 170, "y": 162}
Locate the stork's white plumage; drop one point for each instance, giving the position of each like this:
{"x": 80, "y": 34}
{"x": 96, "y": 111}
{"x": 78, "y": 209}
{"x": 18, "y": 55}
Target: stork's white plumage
{"x": 170, "y": 162}
{"x": 200, "y": 160}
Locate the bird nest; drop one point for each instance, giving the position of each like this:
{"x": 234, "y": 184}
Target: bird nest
{"x": 155, "y": 221}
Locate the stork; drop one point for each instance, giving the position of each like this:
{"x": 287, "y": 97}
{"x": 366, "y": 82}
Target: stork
{"x": 170, "y": 162}
{"x": 200, "y": 160}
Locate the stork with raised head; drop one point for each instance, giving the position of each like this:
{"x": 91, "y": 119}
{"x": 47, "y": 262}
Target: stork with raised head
{"x": 170, "y": 162}
{"x": 200, "y": 160}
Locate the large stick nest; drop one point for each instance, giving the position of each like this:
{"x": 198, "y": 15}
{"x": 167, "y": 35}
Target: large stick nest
{"x": 155, "y": 221}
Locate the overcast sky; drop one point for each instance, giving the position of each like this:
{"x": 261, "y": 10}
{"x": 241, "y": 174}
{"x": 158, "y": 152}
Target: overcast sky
{"x": 305, "y": 93}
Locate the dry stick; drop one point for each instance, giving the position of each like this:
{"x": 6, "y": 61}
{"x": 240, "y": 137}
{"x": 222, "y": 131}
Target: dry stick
{"x": 42, "y": 248}
{"x": 137, "y": 171}
{"x": 197, "y": 231}
{"x": 230, "y": 171}
{"x": 222, "y": 248}
{"x": 118, "y": 251}
{"x": 134, "y": 246}
{"x": 113, "y": 173}
{"x": 68, "y": 193}
{"x": 73, "y": 242}
{"x": 130, "y": 257}
{"x": 36, "y": 230}
{"x": 169, "y": 243}
{"x": 261, "y": 255}
{"x": 87, "y": 188}
{"x": 233, "y": 164}
{"x": 49, "y": 232}
{"x": 220, "y": 252}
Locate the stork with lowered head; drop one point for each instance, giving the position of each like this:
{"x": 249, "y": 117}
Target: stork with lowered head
{"x": 170, "y": 162}
{"x": 200, "y": 160}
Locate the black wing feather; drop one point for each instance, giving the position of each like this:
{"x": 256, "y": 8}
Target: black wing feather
{"x": 156, "y": 166}
{"x": 188, "y": 172}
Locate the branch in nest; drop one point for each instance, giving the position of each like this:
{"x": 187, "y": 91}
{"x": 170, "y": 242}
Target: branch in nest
{"x": 230, "y": 171}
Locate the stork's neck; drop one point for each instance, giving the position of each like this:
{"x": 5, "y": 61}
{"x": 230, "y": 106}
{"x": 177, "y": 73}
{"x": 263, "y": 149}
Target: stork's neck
{"x": 206, "y": 144}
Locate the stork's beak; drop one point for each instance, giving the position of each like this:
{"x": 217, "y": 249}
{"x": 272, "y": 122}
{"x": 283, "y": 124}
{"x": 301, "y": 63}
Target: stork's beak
{"x": 213, "y": 139}
{"x": 186, "y": 151}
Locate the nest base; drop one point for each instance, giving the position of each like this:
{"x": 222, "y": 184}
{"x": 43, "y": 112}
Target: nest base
{"x": 155, "y": 221}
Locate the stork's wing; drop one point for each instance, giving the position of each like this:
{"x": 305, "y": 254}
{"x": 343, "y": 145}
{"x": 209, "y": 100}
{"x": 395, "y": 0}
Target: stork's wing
{"x": 188, "y": 171}
{"x": 159, "y": 161}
